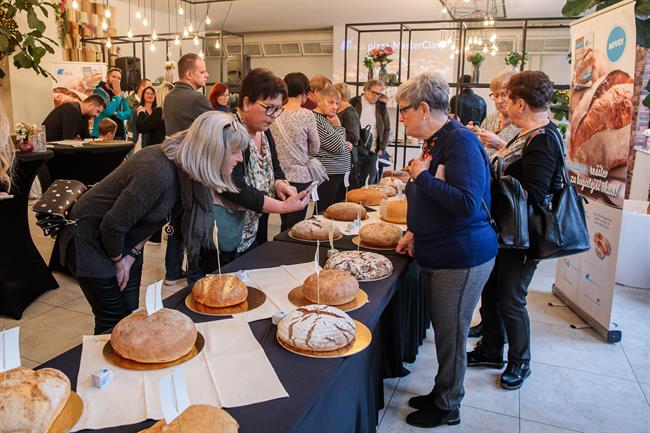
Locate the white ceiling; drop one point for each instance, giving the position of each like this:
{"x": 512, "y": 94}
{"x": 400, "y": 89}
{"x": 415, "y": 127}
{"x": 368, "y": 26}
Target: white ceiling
{"x": 284, "y": 15}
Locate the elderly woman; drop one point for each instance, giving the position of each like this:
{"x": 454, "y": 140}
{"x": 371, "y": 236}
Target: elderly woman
{"x": 449, "y": 235}
{"x": 497, "y": 129}
{"x": 296, "y": 139}
{"x": 534, "y": 158}
{"x": 117, "y": 215}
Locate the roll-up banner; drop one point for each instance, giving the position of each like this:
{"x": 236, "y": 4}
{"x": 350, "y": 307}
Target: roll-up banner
{"x": 75, "y": 81}
{"x": 603, "y": 50}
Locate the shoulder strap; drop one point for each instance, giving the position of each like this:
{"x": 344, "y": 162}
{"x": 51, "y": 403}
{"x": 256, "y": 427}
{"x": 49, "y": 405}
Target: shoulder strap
{"x": 290, "y": 144}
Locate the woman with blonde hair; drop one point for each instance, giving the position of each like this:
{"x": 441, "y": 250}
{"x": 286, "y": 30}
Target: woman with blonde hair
{"x": 117, "y": 215}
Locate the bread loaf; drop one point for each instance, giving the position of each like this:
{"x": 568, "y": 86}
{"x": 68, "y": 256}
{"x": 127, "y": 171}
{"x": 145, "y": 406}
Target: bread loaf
{"x": 393, "y": 182}
{"x": 164, "y": 336}
{"x": 388, "y": 190}
{"x": 336, "y": 287}
{"x": 219, "y": 291}
{"x": 402, "y": 175}
{"x": 346, "y": 211}
{"x": 366, "y": 196}
{"x": 31, "y": 400}
{"x": 198, "y": 418}
{"x": 363, "y": 265}
{"x": 382, "y": 235}
{"x": 317, "y": 328}
{"x": 313, "y": 229}
{"x": 393, "y": 211}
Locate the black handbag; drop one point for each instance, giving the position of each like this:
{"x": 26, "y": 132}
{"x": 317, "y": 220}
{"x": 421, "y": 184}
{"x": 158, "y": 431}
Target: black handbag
{"x": 53, "y": 208}
{"x": 365, "y": 143}
{"x": 558, "y": 226}
{"x": 509, "y": 215}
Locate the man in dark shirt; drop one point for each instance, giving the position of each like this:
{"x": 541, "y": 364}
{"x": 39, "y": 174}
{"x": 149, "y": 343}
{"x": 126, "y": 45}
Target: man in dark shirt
{"x": 70, "y": 120}
{"x": 468, "y": 106}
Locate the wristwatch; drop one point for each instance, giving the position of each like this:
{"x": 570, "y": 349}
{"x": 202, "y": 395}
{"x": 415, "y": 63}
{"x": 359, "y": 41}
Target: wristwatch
{"x": 136, "y": 253}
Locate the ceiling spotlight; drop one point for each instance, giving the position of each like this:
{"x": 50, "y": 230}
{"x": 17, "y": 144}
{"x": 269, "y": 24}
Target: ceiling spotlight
{"x": 208, "y": 21}
{"x": 217, "y": 44}
{"x": 138, "y": 14}
{"x": 152, "y": 47}
{"x": 154, "y": 35}
{"x": 201, "y": 55}
{"x": 129, "y": 34}
{"x": 177, "y": 41}
{"x": 180, "y": 10}
{"x": 108, "y": 43}
{"x": 75, "y": 5}
{"x": 107, "y": 13}
{"x": 190, "y": 28}
{"x": 196, "y": 40}
{"x": 185, "y": 32}
{"x": 145, "y": 22}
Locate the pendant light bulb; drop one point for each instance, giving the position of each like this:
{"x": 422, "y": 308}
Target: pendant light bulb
{"x": 177, "y": 41}
{"x": 145, "y": 21}
{"x": 196, "y": 40}
{"x": 154, "y": 35}
{"x": 201, "y": 55}
{"x": 491, "y": 21}
{"x": 449, "y": 40}
{"x": 444, "y": 11}
{"x": 152, "y": 47}
{"x": 180, "y": 10}
{"x": 138, "y": 14}
{"x": 456, "y": 51}
{"x": 129, "y": 34}
{"x": 75, "y": 4}
{"x": 104, "y": 25}
{"x": 493, "y": 37}
{"x": 107, "y": 13}
{"x": 108, "y": 43}
{"x": 485, "y": 49}
{"x": 493, "y": 53}
{"x": 451, "y": 56}
{"x": 190, "y": 28}
{"x": 208, "y": 21}
{"x": 185, "y": 32}
{"x": 217, "y": 44}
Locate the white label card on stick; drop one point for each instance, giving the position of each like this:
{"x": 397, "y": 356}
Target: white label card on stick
{"x": 314, "y": 194}
{"x": 9, "y": 349}
{"x": 173, "y": 394}
{"x": 153, "y": 298}
{"x": 367, "y": 180}
{"x": 317, "y": 258}
{"x": 346, "y": 179}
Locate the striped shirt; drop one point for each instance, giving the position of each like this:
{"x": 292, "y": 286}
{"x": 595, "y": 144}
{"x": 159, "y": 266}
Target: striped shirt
{"x": 333, "y": 153}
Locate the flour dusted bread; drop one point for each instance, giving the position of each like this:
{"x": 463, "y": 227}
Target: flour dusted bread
{"x": 318, "y": 328}
{"x": 388, "y": 190}
{"x": 402, "y": 175}
{"x": 336, "y": 287}
{"x": 219, "y": 291}
{"x": 198, "y": 418}
{"x": 383, "y": 235}
{"x": 164, "y": 336}
{"x": 367, "y": 196}
{"x": 31, "y": 400}
{"x": 393, "y": 211}
{"x": 363, "y": 265}
{"x": 346, "y": 211}
{"x": 392, "y": 182}
{"x": 313, "y": 229}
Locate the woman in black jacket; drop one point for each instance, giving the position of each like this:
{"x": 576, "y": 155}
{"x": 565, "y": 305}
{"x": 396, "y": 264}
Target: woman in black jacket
{"x": 149, "y": 119}
{"x": 534, "y": 158}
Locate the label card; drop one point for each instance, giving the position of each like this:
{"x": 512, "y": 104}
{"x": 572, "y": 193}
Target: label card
{"x": 367, "y": 180}
{"x": 9, "y": 349}
{"x": 314, "y": 194}
{"x": 215, "y": 239}
{"x": 317, "y": 258}
{"x": 153, "y": 298}
{"x": 330, "y": 234}
{"x": 346, "y": 179}
{"x": 173, "y": 394}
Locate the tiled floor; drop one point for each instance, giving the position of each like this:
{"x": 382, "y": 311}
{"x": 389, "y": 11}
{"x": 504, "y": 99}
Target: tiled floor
{"x": 579, "y": 383}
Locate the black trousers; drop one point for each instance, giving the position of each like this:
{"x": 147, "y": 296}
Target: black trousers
{"x": 291, "y": 219}
{"x": 206, "y": 263}
{"x": 367, "y": 169}
{"x": 331, "y": 191}
{"x": 503, "y": 306}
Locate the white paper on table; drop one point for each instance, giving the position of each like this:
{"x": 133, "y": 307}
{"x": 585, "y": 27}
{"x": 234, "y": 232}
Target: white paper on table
{"x": 173, "y": 394}
{"x": 153, "y": 298}
{"x": 9, "y": 349}
{"x": 72, "y": 143}
{"x": 231, "y": 370}
{"x": 373, "y": 217}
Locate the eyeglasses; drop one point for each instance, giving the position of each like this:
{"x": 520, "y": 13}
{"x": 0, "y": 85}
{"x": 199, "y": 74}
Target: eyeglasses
{"x": 502, "y": 95}
{"x": 271, "y": 110}
{"x": 402, "y": 110}
{"x": 375, "y": 94}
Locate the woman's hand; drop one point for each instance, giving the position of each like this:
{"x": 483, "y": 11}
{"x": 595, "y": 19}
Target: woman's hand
{"x": 349, "y": 145}
{"x": 295, "y": 202}
{"x": 419, "y": 165}
{"x": 122, "y": 271}
{"x": 405, "y": 244}
{"x": 284, "y": 190}
{"x": 490, "y": 139}
{"x": 140, "y": 109}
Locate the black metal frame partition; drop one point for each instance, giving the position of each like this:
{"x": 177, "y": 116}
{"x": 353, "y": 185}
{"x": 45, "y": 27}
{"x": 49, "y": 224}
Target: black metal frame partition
{"x": 461, "y": 26}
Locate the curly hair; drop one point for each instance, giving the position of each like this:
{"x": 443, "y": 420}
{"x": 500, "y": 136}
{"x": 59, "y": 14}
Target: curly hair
{"x": 534, "y": 87}
{"x": 6, "y": 166}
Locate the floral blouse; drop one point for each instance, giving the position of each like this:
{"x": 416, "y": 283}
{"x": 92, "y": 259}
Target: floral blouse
{"x": 491, "y": 123}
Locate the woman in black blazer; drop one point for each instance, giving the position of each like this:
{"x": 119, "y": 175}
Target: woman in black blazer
{"x": 149, "y": 119}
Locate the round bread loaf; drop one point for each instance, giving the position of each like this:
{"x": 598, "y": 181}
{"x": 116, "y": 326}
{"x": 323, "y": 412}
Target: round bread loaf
{"x": 336, "y": 287}
{"x": 402, "y": 175}
{"x": 318, "y": 328}
{"x": 164, "y": 336}
{"x": 393, "y": 211}
{"x": 346, "y": 211}
{"x": 388, "y": 190}
{"x": 313, "y": 229}
{"x": 31, "y": 400}
{"x": 382, "y": 235}
{"x": 219, "y": 291}
{"x": 367, "y": 196}
{"x": 197, "y": 418}
{"x": 393, "y": 182}
{"x": 363, "y": 265}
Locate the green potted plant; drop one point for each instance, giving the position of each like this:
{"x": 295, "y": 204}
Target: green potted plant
{"x": 476, "y": 60}
{"x": 514, "y": 59}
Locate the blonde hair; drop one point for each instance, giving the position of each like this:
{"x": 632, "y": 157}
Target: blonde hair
{"x": 6, "y": 165}
{"x": 501, "y": 79}
{"x": 344, "y": 91}
{"x": 329, "y": 92}
{"x": 162, "y": 91}
{"x": 203, "y": 151}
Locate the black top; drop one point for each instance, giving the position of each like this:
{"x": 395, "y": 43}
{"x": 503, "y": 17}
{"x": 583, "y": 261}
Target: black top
{"x": 350, "y": 121}
{"x": 151, "y": 126}
{"x": 249, "y": 197}
{"x": 468, "y": 106}
{"x": 65, "y": 122}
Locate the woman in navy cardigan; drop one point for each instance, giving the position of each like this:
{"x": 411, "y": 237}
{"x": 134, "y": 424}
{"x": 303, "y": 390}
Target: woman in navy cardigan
{"x": 449, "y": 235}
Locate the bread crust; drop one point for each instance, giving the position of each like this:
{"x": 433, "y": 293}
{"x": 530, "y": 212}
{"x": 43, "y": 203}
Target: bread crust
{"x": 219, "y": 291}
{"x": 336, "y": 287}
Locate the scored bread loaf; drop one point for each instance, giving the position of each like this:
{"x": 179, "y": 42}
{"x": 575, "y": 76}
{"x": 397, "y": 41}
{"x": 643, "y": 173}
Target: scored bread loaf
{"x": 388, "y": 190}
{"x": 330, "y": 287}
{"x": 198, "y": 418}
{"x": 319, "y": 328}
{"x": 402, "y": 175}
{"x": 219, "y": 291}
{"x": 393, "y": 211}
{"x": 367, "y": 196}
{"x": 363, "y": 265}
{"x": 31, "y": 400}
{"x": 164, "y": 336}
{"x": 313, "y": 229}
{"x": 346, "y": 211}
{"x": 382, "y": 235}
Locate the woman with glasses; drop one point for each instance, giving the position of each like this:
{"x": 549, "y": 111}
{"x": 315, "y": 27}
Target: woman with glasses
{"x": 497, "y": 129}
{"x": 449, "y": 235}
{"x": 219, "y": 97}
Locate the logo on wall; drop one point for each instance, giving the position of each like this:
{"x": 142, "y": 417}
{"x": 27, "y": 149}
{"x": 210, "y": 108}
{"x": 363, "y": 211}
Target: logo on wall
{"x": 616, "y": 44}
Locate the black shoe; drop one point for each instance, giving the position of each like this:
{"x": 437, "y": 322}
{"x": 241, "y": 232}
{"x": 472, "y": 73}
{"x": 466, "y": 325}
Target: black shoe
{"x": 476, "y": 331}
{"x": 433, "y": 417}
{"x": 422, "y": 401}
{"x": 515, "y": 375}
{"x": 476, "y": 358}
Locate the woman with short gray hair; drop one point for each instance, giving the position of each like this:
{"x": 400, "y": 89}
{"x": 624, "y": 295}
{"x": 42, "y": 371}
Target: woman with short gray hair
{"x": 449, "y": 235}
{"x": 118, "y": 214}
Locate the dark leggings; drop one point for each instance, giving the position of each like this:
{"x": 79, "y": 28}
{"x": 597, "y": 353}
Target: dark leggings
{"x": 331, "y": 191}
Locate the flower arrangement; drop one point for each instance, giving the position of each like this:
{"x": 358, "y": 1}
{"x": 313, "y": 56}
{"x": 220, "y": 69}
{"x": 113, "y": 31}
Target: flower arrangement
{"x": 378, "y": 57}
{"x": 476, "y": 59}
{"x": 514, "y": 58}
{"x": 169, "y": 66}
{"x": 23, "y": 130}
